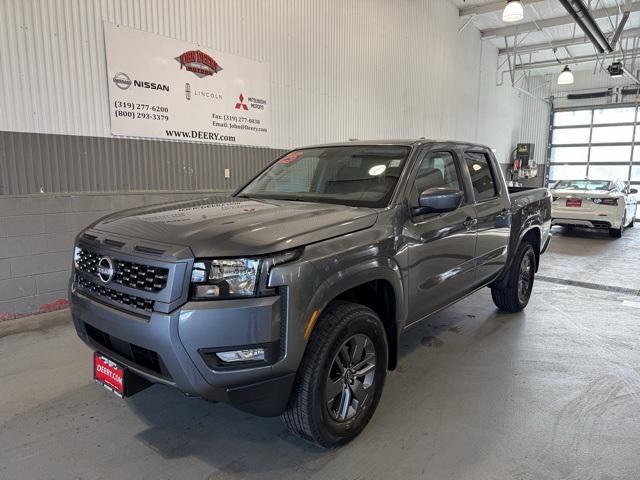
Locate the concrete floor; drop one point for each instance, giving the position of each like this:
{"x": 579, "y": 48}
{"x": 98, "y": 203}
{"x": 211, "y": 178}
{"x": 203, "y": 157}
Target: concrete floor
{"x": 552, "y": 393}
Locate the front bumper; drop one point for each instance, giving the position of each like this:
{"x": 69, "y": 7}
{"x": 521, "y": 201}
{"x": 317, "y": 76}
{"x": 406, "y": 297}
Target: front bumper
{"x": 171, "y": 348}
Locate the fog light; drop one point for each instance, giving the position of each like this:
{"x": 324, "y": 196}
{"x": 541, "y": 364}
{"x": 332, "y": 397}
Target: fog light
{"x": 204, "y": 291}
{"x": 249, "y": 355}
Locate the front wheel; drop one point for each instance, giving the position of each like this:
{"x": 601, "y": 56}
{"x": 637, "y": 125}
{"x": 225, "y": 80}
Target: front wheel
{"x": 341, "y": 377}
{"x": 515, "y": 296}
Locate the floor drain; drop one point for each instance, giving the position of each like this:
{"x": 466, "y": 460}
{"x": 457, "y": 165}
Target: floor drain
{"x": 592, "y": 286}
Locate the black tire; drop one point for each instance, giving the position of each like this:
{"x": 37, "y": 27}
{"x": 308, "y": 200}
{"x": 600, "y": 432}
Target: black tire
{"x": 633, "y": 222}
{"x": 309, "y": 415}
{"x": 616, "y": 232}
{"x": 515, "y": 296}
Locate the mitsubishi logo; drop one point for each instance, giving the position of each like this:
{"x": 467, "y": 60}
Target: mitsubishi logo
{"x": 241, "y": 104}
{"x": 105, "y": 270}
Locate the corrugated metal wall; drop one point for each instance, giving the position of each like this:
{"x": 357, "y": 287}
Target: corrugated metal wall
{"x": 338, "y": 70}
{"x": 535, "y": 120}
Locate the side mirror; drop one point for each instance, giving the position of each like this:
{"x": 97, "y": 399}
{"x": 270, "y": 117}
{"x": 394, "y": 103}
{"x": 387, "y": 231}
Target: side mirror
{"x": 438, "y": 200}
{"x": 633, "y": 191}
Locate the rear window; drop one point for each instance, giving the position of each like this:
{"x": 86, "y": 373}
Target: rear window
{"x": 583, "y": 185}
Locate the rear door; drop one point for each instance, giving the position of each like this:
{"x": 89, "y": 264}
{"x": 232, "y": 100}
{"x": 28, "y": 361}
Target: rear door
{"x": 441, "y": 245}
{"x": 493, "y": 213}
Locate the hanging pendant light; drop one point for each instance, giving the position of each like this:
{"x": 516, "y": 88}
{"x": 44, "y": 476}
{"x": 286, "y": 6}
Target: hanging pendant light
{"x": 513, "y": 11}
{"x": 566, "y": 76}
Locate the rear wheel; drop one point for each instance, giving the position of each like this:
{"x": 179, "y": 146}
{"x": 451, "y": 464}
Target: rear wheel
{"x": 617, "y": 232}
{"x": 341, "y": 377}
{"x": 515, "y": 296}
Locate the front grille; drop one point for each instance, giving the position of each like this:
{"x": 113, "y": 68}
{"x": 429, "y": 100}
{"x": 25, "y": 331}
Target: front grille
{"x": 141, "y": 356}
{"x": 129, "y": 274}
{"x": 132, "y": 301}
{"x": 143, "y": 277}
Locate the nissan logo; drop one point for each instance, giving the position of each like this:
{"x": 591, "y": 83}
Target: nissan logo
{"x": 122, "y": 80}
{"x": 105, "y": 269}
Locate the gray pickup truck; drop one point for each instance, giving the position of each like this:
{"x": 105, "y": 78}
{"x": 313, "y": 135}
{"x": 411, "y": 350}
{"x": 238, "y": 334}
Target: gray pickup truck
{"x": 289, "y": 296}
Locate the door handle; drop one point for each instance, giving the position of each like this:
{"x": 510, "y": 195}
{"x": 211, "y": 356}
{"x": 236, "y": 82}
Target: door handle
{"x": 469, "y": 223}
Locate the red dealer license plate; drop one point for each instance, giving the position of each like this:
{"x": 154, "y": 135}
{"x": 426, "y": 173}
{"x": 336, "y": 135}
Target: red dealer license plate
{"x": 574, "y": 202}
{"x": 109, "y": 374}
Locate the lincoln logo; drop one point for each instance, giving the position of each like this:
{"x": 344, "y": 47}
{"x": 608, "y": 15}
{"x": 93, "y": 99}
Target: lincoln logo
{"x": 105, "y": 269}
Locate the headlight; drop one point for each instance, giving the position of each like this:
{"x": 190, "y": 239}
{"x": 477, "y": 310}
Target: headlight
{"x": 235, "y": 278}
{"x": 76, "y": 257}
{"x": 225, "y": 278}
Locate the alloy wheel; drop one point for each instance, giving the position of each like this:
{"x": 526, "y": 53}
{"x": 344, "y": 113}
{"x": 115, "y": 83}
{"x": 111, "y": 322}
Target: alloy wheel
{"x": 350, "y": 378}
{"x": 525, "y": 277}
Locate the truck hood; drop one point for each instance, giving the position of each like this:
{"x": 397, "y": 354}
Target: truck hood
{"x": 237, "y": 227}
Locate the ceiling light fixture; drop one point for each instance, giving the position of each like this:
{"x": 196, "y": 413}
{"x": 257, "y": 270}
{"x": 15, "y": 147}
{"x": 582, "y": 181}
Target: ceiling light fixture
{"x": 513, "y": 11}
{"x": 566, "y": 76}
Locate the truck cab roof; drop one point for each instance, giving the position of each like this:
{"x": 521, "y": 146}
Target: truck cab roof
{"x": 410, "y": 142}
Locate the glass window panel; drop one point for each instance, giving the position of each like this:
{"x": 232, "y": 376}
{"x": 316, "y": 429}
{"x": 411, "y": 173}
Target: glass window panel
{"x": 608, "y": 172}
{"x": 482, "y": 176}
{"x": 567, "y": 172}
{"x": 635, "y": 173}
{"x": 614, "y": 115}
{"x": 618, "y": 153}
{"x": 569, "y": 154}
{"x": 563, "y": 136}
{"x": 575, "y": 117}
{"x": 612, "y": 134}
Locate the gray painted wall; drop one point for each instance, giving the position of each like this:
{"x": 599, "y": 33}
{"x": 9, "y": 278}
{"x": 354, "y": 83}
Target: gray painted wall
{"x": 36, "y": 242}
{"x": 35, "y": 162}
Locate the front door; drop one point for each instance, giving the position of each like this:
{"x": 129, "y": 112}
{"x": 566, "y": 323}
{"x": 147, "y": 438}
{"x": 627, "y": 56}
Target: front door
{"x": 441, "y": 245}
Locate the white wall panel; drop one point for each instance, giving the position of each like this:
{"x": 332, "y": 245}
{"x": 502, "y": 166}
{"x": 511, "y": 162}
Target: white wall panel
{"x": 339, "y": 70}
{"x": 535, "y": 117}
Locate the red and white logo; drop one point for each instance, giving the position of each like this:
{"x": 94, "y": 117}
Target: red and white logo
{"x": 241, "y": 104}
{"x": 198, "y": 62}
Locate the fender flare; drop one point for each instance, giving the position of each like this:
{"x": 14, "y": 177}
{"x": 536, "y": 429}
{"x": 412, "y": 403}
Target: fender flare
{"x": 380, "y": 268}
{"x": 531, "y": 224}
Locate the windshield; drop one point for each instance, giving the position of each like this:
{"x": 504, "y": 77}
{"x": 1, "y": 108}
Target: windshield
{"x": 359, "y": 176}
{"x": 583, "y": 185}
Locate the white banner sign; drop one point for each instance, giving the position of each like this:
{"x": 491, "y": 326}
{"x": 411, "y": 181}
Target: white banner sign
{"x": 160, "y": 87}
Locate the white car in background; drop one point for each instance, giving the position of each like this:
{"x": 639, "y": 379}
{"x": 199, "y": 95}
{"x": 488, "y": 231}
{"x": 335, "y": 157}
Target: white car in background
{"x": 594, "y": 204}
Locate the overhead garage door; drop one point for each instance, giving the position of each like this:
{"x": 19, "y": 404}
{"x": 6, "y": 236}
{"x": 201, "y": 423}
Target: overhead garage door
{"x": 600, "y": 143}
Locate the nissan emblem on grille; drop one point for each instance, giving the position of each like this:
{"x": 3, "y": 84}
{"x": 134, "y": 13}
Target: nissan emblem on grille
{"x": 105, "y": 269}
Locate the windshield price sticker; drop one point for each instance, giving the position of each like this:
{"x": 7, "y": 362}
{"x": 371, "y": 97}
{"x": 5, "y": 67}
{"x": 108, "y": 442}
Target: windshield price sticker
{"x": 290, "y": 157}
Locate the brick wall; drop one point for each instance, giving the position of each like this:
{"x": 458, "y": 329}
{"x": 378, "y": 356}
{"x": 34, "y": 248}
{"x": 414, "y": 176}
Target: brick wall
{"x": 36, "y": 243}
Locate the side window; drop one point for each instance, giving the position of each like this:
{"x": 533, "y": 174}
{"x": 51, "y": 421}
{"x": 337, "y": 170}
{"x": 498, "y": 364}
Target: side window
{"x": 437, "y": 170}
{"x": 482, "y": 176}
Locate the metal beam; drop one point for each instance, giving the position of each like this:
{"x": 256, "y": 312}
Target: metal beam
{"x": 571, "y": 61}
{"x": 620, "y": 29}
{"x": 583, "y": 18}
{"x": 488, "y": 8}
{"x": 551, "y": 22}
{"x": 570, "y": 42}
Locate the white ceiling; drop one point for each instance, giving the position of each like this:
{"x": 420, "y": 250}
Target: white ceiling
{"x": 540, "y": 10}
